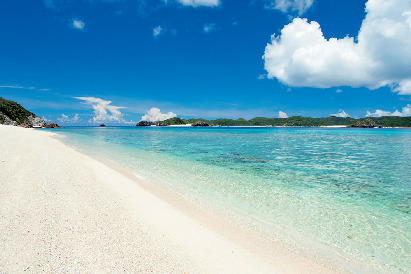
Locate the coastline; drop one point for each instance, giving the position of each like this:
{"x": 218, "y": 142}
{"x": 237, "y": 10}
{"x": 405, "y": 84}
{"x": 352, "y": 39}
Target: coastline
{"x": 66, "y": 211}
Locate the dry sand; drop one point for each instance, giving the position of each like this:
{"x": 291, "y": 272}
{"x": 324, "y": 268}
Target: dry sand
{"x": 62, "y": 211}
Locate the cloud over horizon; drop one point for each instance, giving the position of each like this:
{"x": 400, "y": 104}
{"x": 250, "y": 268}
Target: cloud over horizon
{"x": 66, "y": 119}
{"x": 302, "y": 57}
{"x": 341, "y": 114}
{"x": 282, "y": 114}
{"x": 406, "y": 112}
{"x": 155, "y": 115}
{"x": 103, "y": 110}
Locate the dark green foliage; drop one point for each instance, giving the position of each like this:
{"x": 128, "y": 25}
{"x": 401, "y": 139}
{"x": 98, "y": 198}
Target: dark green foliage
{"x": 299, "y": 121}
{"x": 14, "y": 111}
{"x": 393, "y": 121}
{"x": 365, "y": 123}
{"x": 143, "y": 124}
{"x": 173, "y": 121}
{"x": 193, "y": 121}
{"x": 200, "y": 124}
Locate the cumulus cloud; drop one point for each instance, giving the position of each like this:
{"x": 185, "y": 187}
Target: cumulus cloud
{"x": 77, "y": 23}
{"x": 341, "y": 114}
{"x": 197, "y": 3}
{"x": 282, "y": 114}
{"x": 157, "y": 31}
{"x": 207, "y": 28}
{"x": 406, "y": 112}
{"x": 103, "y": 110}
{"x": 154, "y": 115}
{"x": 66, "y": 119}
{"x": 298, "y": 6}
{"x": 380, "y": 56}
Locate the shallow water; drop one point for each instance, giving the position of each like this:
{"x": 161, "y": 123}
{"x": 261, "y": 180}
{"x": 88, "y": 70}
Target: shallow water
{"x": 348, "y": 189}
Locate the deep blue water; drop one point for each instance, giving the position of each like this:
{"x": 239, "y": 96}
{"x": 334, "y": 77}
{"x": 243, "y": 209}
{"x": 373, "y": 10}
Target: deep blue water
{"x": 349, "y": 189}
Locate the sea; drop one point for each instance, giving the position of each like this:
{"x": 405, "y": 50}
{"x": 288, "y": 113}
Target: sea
{"x": 344, "y": 193}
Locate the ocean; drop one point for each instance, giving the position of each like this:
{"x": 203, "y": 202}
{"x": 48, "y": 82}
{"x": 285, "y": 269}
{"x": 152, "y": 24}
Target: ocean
{"x": 345, "y": 193}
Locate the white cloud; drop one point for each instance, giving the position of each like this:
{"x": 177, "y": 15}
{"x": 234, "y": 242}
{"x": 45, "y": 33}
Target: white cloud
{"x": 103, "y": 111}
{"x": 262, "y": 76}
{"x": 207, "y": 28}
{"x": 197, "y": 3}
{"x": 381, "y": 55}
{"x": 154, "y": 115}
{"x": 298, "y": 6}
{"x": 406, "y": 112}
{"x": 21, "y": 87}
{"x": 157, "y": 31}
{"x": 341, "y": 114}
{"x": 77, "y": 23}
{"x": 338, "y": 91}
{"x": 282, "y": 114}
{"x": 141, "y": 5}
{"x": 11, "y": 87}
{"x": 66, "y": 119}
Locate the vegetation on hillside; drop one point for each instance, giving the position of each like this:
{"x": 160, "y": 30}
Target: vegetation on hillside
{"x": 295, "y": 121}
{"x": 14, "y": 111}
{"x": 173, "y": 121}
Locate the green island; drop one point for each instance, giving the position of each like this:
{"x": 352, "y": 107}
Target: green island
{"x": 294, "y": 121}
{"x": 12, "y": 113}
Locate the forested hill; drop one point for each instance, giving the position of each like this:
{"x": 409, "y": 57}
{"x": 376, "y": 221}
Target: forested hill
{"x": 12, "y": 113}
{"x": 295, "y": 121}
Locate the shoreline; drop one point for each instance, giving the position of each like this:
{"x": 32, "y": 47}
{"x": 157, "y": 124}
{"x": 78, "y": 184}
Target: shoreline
{"x": 209, "y": 239}
{"x": 77, "y": 214}
{"x": 189, "y": 126}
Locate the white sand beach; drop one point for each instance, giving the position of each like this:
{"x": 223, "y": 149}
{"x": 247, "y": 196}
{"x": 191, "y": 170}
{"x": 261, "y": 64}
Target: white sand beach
{"x": 62, "y": 211}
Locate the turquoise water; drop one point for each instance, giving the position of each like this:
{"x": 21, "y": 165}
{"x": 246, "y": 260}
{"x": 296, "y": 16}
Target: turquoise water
{"x": 346, "y": 192}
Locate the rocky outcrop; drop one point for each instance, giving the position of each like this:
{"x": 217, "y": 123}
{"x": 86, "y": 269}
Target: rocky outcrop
{"x": 143, "y": 124}
{"x": 51, "y": 125}
{"x": 36, "y": 121}
{"x": 12, "y": 113}
{"x": 200, "y": 124}
{"x": 31, "y": 122}
{"x": 5, "y": 120}
{"x": 367, "y": 123}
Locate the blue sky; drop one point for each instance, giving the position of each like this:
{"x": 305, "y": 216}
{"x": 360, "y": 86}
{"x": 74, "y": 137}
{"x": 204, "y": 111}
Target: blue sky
{"x": 112, "y": 61}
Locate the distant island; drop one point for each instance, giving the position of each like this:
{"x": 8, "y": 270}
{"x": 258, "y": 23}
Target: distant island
{"x": 12, "y": 113}
{"x": 294, "y": 121}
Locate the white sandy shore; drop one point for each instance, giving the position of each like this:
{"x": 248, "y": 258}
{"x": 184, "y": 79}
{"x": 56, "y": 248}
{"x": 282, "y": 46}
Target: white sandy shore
{"x": 62, "y": 211}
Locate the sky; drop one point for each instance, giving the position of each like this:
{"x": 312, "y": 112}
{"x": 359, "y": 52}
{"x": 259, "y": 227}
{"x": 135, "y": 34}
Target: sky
{"x": 85, "y": 62}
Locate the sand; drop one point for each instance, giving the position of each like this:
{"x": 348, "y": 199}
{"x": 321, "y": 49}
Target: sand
{"x": 63, "y": 211}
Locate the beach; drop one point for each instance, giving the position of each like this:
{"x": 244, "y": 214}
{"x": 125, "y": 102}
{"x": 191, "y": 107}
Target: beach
{"x": 62, "y": 211}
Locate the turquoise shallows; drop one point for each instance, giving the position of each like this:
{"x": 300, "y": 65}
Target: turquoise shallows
{"x": 343, "y": 191}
